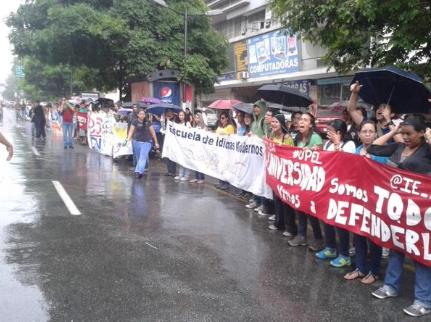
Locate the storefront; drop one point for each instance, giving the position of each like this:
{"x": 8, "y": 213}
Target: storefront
{"x": 277, "y": 57}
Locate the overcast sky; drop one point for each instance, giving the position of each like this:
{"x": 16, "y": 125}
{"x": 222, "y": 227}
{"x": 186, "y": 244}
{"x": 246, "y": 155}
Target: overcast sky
{"x": 6, "y": 57}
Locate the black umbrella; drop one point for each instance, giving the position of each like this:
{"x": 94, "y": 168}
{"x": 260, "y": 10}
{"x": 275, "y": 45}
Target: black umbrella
{"x": 244, "y": 107}
{"x": 282, "y": 94}
{"x": 403, "y": 91}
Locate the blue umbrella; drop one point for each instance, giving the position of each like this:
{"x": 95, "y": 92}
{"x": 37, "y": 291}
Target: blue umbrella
{"x": 159, "y": 109}
{"x": 404, "y": 91}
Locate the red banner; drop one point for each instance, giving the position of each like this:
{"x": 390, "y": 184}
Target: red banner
{"x": 82, "y": 120}
{"x": 391, "y": 207}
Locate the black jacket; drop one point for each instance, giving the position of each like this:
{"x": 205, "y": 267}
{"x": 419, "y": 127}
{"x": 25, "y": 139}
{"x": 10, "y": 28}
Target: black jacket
{"x": 419, "y": 162}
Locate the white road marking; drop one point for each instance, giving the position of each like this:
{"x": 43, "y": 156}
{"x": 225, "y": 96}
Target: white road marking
{"x": 70, "y": 205}
{"x": 35, "y": 151}
{"x": 151, "y": 245}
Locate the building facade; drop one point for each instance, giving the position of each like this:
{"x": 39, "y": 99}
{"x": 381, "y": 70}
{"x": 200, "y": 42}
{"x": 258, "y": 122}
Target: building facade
{"x": 261, "y": 51}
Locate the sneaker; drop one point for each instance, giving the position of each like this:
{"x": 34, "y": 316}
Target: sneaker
{"x": 184, "y": 179}
{"x": 200, "y": 181}
{"x": 341, "y": 261}
{"x": 287, "y": 234}
{"x": 272, "y": 218}
{"x": 263, "y": 213}
{"x": 260, "y": 208}
{"x": 193, "y": 181}
{"x": 326, "y": 253}
{"x": 298, "y": 241}
{"x": 251, "y": 205}
{"x": 177, "y": 178}
{"x": 272, "y": 227}
{"x": 316, "y": 245}
{"x": 71, "y": 147}
{"x": 417, "y": 309}
{"x": 384, "y": 292}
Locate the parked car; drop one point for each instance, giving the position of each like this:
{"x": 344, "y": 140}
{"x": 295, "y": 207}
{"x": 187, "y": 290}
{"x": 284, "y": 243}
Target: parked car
{"x": 210, "y": 117}
{"x": 337, "y": 110}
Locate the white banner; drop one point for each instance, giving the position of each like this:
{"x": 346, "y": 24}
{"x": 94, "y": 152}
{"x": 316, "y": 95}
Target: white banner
{"x": 107, "y": 136}
{"x": 238, "y": 160}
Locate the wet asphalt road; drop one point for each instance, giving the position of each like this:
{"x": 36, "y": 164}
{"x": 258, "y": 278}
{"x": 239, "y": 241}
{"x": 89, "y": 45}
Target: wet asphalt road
{"x": 152, "y": 249}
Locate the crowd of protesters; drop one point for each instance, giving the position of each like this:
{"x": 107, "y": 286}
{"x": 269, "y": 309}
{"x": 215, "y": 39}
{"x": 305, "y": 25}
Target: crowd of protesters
{"x": 398, "y": 141}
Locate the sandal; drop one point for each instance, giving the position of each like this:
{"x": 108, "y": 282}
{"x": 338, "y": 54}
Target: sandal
{"x": 354, "y": 275}
{"x": 369, "y": 279}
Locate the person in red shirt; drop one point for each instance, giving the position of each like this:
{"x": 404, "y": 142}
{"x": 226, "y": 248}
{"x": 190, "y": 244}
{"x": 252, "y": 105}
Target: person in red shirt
{"x": 67, "y": 113}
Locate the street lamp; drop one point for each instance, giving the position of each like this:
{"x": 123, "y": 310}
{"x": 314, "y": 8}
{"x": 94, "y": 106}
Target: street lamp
{"x": 185, "y": 14}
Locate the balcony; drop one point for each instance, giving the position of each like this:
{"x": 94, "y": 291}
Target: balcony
{"x": 228, "y": 5}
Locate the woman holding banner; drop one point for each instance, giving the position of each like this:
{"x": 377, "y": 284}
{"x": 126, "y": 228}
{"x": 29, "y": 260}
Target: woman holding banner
{"x": 337, "y": 135}
{"x": 260, "y": 129}
{"x": 284, "y": 214}
{"x": 142, "y": 132}
{"x": 225, "y": 127}
{"x": 198, "y": 122}
{"x": 413, "y": 155}
{"x": 307, "y": 138}
{"x": 183, "y": 173}
{"x": 367, "y": 133}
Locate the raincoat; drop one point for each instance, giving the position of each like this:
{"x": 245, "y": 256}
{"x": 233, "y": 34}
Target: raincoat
{"x": 258, "y": 127}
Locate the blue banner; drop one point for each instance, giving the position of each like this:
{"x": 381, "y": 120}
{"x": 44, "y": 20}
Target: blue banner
{"x": 272, "y": 53}
{"x": 167, "y": 92}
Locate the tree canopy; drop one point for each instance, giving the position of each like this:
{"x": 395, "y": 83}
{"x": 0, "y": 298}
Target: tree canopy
{"x": 118, "y": 39}
{"x": 360, "y": 33}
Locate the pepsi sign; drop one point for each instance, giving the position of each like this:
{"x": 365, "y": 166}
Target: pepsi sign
{"x": 167, "y": 92}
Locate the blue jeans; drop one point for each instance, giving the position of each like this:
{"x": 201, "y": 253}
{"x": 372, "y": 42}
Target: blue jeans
{"x": 284, "y": 216}
{"x": 184, "y": 172}
{"x": 68, "y": 134}
{"x": 330, "y": 240}
{"x": 171, "y": 166}
{"x": 394, "y": 272}
{"x": 302, "y": 225}
{"x": 361, "y": 248}
{"x": 199, "y": 176}
{"x": 142, "y": 149}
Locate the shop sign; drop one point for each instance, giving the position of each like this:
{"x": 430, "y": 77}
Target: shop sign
{"x": 272, "y": 53}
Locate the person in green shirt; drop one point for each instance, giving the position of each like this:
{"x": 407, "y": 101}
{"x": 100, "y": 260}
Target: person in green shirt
{"x": 258, "y": 125}
{"x": 284, "y": 214}
{"x": 308, "y": 138}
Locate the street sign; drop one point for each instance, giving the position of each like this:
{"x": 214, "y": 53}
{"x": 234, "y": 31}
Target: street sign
{"x": 19, "y": 71}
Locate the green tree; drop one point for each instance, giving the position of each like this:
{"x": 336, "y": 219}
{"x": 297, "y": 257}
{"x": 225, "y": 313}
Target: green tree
{"x": 11, "y": 87}
{"x": 119, "y": 39}
{"x": 359, "y": 33}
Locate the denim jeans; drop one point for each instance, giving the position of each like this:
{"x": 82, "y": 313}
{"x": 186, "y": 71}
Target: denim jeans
{"x": 199, "y": 176}
{"x": 171, "y": 166}
{"x": 33, "y": 129}
{"x": 302, "y": 225}
{"x": 142, "y": 149}
{"x": 183, "y": 172}
{"x": 284, "y": 216}
{"x": 361, "y": 249}
{"x": 330, "y": 240}
{"x": 67, "y": 134}
{"x": 394, "y": 272}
